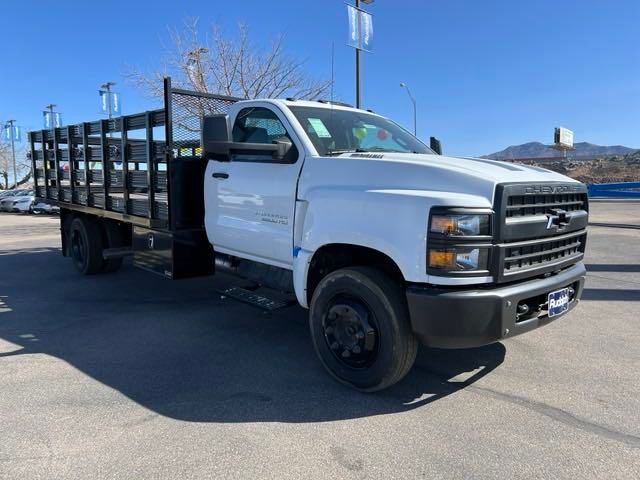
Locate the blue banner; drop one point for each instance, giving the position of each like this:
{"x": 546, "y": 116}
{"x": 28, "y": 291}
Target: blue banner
{"x": 110, "y": 100}
{"x": 9, "y": 134}
{"x": 360, "y": 29}
{"x": 50, "y": 122}
{"x": 116, "y": 108}
{"x": 104, "y": 101}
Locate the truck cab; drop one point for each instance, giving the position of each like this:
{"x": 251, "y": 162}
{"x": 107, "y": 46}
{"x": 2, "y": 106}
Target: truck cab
{"x": 470, "y": 249}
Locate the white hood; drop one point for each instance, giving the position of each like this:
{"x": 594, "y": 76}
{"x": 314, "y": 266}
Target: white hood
{"x": 419, "y": 173}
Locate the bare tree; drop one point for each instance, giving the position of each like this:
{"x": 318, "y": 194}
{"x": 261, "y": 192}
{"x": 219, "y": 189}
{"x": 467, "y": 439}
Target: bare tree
{"x": 23, "y": 165}
{"x": 217, "y": 63}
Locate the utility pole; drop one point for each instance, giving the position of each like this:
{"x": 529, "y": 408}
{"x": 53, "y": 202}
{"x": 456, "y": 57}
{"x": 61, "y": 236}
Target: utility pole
{"x": 13, "y": 151}
{"x": 415, "y": 115}
{"x": 359, "y": 40}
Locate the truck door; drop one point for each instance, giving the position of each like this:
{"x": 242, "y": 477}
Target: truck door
{"x": 250, "y": 200}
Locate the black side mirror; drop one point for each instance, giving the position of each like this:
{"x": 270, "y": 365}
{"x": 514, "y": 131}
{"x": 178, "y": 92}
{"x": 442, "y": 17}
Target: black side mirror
{"x": 435, "y": 145}
{"x": 215, "y": 133}
{"x": 217, "y": 144}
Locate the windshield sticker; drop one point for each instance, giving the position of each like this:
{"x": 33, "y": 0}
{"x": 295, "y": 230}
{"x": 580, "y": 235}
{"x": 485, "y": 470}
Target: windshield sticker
{"x": 319, "y": 128}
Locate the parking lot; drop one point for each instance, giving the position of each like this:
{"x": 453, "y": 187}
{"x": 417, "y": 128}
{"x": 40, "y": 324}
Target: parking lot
{"x": 131, "y": 376}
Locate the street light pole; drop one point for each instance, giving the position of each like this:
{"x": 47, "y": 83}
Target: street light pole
{"x": 415, "y": 115}
{"x": 13, "y": 151}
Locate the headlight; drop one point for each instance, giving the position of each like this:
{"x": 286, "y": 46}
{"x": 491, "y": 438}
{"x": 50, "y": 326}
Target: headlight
{"x": 460, "y": 225}
{"x": 458, "y": 259}
{"x": 459, "y": 241}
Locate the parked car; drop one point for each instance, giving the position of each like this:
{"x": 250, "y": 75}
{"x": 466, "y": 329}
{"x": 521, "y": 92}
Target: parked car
{"x": 41, "y": 207}
{"x": 6, "y": 203}
{"x": 23, "y": 203}
{"x": 5, "y": 193}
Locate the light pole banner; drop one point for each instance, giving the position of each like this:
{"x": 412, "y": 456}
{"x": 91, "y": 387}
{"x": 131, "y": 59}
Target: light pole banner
{"x": 115, "y": 103}
{"x": 104, "y": 105}
{"x": 49, "y": 122}
{"x": 8, "y": 135}
{"x": 6, "y": 132}
{"x": 110, "y": 99}
{"x": 360, "y": 29}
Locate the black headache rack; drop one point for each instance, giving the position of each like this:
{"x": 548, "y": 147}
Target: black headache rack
{"x": 145, "y": 170}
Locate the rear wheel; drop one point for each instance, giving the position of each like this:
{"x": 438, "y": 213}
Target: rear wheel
{"x": 85, "y": 244}
{"x": 360, "y": 328}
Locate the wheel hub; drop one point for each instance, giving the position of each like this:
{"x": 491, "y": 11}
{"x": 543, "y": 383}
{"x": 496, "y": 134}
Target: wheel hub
{"x": 350, "y": 333}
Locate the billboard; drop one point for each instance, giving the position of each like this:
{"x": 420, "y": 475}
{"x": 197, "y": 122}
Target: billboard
{"x": 563, "y": 138}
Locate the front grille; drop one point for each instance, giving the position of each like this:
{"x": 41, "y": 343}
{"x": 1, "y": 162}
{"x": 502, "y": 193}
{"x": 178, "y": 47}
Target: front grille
{"x": 527, "y": 205}
{"x": 529, "y": 255}
{"x": 540, "y": 228}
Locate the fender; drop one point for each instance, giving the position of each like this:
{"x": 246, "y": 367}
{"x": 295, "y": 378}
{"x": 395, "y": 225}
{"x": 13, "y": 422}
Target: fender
{"x": 393, "y": 222}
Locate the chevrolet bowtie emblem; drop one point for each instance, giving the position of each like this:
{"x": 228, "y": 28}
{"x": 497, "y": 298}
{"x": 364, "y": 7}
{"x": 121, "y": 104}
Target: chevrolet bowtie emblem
{"x": 557, "y": 217}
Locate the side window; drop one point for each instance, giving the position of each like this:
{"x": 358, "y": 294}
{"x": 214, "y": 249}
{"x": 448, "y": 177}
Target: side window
{"x": 261, "y": 125}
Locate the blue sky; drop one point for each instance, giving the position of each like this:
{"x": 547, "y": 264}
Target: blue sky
{"x": 486, "y": 74}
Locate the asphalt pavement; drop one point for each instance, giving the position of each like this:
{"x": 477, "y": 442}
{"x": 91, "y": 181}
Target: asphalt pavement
{"x": 131, "y": 376}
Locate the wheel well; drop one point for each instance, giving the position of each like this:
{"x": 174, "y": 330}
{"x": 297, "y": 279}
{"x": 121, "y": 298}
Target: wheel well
{"x": 332, "y": 257}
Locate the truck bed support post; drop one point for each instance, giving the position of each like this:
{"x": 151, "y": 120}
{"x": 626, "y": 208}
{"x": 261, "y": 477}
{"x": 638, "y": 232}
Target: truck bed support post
{"x": 104, "y": 148}
{"x": 45, "y": 162}
{"x": 72, "y": 163}
{"x": 124, "y": 157}
{"x": 168, "y": 125}
{"x": 87, "y": 171}
{"x": 56, "y": 163}
{"x": 150, "y": 165}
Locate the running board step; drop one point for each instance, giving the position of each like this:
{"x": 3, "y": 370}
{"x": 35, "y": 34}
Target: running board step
{"x": 255, "y": 299}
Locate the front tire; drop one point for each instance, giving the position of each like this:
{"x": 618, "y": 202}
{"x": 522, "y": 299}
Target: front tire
{"x": 360, "y": 328}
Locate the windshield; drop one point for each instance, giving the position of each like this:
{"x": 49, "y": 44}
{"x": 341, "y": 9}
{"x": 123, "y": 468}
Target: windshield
{"x": 335, "y": 131}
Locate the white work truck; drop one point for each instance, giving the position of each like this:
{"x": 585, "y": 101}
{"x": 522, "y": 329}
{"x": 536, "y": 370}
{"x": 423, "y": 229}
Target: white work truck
{"x": 387, "y": 242}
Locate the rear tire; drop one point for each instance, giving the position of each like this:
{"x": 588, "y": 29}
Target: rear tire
{"x": 85, "y": 245}
{"x": 360, "y": 328}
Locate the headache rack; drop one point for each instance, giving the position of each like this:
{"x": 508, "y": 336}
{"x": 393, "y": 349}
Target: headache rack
{"x": 144, "y": 169}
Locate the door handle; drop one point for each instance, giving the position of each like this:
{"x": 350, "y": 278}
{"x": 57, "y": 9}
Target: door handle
{"x": 220, "y": 175}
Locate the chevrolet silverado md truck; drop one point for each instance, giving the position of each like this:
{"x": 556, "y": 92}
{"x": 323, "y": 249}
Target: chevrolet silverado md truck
{"x": 385, "y": 241}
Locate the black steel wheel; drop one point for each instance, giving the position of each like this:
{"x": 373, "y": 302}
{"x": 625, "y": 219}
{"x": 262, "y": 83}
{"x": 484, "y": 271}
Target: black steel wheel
{"x": 85, "y": 244}
{"x": 360, "y": 328}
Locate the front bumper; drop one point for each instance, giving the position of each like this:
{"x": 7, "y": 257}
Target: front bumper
{"x": 447, "y": 318}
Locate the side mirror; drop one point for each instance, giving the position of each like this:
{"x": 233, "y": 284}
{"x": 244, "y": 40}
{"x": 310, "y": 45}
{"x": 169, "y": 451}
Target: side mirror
{"x": 284, "y": 145}
{"x": 215, "y": 133}
{"x": 435, "y": 145}
{"x": 217, "y": 143}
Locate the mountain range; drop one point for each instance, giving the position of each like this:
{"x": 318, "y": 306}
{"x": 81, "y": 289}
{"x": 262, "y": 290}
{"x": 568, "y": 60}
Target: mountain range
{"x": 540, "y": 150}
